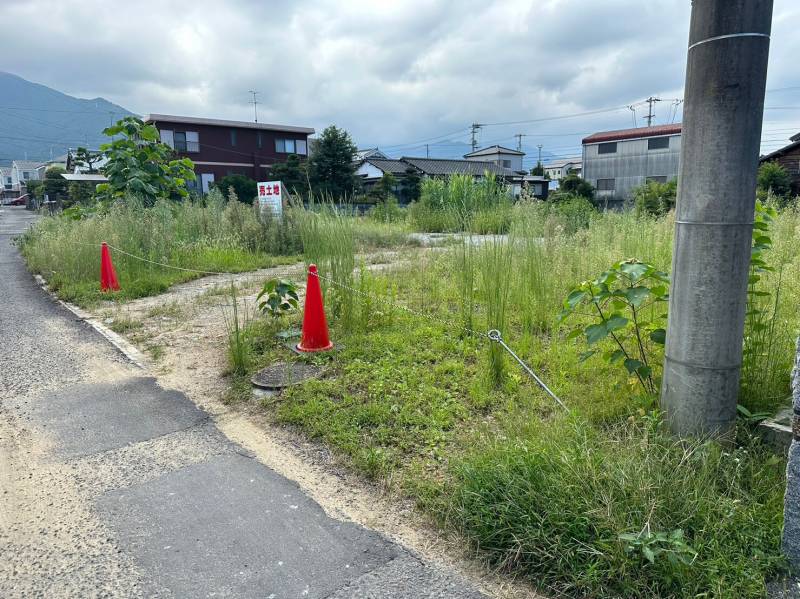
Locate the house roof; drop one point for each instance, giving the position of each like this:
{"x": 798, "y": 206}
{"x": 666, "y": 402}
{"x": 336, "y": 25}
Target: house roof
{"x": 5, "y": 171}
{"x": 783, "y": 150}
{"x": 396, "y": 167}
{"x": 84, "y": 177}
{"x": 27, "y": 165}
{"x": 370, "y": 153}
{"x": 445, "y": 166}
{"x": 563, "y": 162}
{"x": 495, "y": 149}
{"x": 190, "y": 120}
{"x": 636, "y": 133}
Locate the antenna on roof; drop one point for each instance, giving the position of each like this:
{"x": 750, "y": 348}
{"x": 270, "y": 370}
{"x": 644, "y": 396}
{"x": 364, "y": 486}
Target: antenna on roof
{"x": 254, "y": 102}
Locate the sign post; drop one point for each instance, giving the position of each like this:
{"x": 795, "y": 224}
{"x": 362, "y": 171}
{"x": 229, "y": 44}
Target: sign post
{"x": 270, "y": 197}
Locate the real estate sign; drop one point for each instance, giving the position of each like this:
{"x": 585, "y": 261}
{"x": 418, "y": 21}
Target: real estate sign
{"x": 270, "y": 197}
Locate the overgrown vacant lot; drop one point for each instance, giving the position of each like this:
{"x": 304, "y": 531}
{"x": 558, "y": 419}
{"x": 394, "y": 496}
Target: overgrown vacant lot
{"x": 599, "y": 501}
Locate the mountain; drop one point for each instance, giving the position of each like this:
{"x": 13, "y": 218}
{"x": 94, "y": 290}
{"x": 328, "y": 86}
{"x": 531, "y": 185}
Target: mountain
{"x": 37, "y": 122}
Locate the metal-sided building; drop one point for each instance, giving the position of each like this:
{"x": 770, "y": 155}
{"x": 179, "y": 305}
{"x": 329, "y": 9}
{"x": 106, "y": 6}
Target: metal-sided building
{"x": 615, "y": 162}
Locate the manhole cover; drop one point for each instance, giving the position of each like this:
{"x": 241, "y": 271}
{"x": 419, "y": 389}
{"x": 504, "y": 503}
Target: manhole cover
{"x": 285, "y": 374}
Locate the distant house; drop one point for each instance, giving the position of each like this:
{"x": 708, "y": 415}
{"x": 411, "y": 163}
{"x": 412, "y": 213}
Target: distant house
{"x": 23, "y": 171}
{"x": 502, "y": 157}
{"x": 558, "y": 169}
{"x": 219, "y": 147}
{"x": 789, "y": 158}
{"x": 617, "y": 161}
{"x": 372, "y": 169}
{"x": 5, "y": 179}
{"x": 369, "y": 153}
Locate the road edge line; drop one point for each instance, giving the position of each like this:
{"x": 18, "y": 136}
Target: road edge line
{"x": 121, "y": 344}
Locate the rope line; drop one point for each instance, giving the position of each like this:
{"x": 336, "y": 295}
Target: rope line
{"x": 492, "y": 335}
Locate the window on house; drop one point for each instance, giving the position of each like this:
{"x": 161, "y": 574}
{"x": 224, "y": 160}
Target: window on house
{"x": 26, "y": 175}
{"x": 180, "y": 141}
{"x": 506, "y": 163}
{"x": 192, "y": 141}
{"x": 658, "y": 143}
{"x": 287, "y": 146}
{"x": 606, "y": 184}
{"x": 233, "y": 137}
{"x": 259, "y": 139}
{"x": 607, "y": 148}
{"x": 657, "y": 179}
{"x": 167, "y": 137}
{"x": 301, "y": 147}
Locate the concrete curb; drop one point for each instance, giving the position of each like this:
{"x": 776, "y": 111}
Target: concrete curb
{"x": 122, "y": 345}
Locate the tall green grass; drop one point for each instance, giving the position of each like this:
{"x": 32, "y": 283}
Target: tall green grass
{"x": 212, "y": 235}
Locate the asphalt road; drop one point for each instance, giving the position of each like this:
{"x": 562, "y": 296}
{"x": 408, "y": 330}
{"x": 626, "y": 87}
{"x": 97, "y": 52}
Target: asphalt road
{"x": 111, "y": 486}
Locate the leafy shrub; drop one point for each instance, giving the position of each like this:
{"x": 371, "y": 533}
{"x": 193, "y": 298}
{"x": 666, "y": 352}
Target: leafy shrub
{"x": 654, "y": 198}
{"x": 244, "y": 187}
{"x": 626, "y": 302}
{"x": 576, "y": 212}
{"x": 277, "y": 297}
{"x": 772, "y": 177}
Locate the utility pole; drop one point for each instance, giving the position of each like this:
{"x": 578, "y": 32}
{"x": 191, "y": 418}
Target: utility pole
{"x": 519, "y": 141}
{"x": 475, "y": 128}
{"x": 427, "y": 151}
{"x": 540, "y": 155}
{"x": 650, "y": 115}
{"x": 254, "y": 102}
{"x": 724, "y": 102}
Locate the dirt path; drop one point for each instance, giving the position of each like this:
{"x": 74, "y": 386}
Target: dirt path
{"x": 184, "y": 336}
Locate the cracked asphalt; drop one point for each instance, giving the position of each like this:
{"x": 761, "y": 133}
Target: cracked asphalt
{"x": 111, "y": 486}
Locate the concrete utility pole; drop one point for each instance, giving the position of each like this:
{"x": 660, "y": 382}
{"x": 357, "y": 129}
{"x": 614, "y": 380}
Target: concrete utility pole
{"x": 724, "y": 101}
{"x": 475, "y": 128}
{"x": 650, "y": 114}
{"x": 519, "y": 141}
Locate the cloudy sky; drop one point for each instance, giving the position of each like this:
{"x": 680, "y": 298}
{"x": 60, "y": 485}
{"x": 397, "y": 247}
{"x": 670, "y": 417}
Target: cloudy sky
{"x": 396, "y": 74}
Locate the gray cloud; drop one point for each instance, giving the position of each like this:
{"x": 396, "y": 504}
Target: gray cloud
{"x": 390, "y": 72}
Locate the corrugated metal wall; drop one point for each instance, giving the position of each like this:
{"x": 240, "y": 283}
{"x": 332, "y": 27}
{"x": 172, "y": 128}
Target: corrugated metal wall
{"x": 630, "y": 165}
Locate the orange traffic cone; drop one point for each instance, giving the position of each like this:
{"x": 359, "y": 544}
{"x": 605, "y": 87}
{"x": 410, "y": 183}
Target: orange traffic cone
{"x": 315, "y": 328}
{"x": 108, "y": 276}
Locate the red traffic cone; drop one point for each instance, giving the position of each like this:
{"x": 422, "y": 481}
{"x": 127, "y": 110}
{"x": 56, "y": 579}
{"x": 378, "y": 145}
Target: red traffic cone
{"x": 315, "y": 327}
{"x": 108, "y": 276}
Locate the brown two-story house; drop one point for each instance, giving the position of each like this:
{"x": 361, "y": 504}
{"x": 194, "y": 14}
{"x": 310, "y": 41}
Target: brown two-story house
{"x": 220, "y": 148}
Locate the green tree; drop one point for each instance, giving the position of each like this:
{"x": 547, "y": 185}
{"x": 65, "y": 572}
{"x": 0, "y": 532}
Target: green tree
{"x": 410, "y": 185}
{"x": 35, "y": 189}
{"x": 245, "y": 188}
{"x": 573, "y": 185}
{"x": 655, "y": 198}
{"x": 54, "y": 183}
{"x": 384, "y": 188}
{"x": 773, "y": 177}
{"x": 292, "y": 173}
{"x": 538, "y": 169}
{"x": 80, "y": 192}
{"x": 139, "y": 164}
{"x": 330, "y": 168}
{"x": 87, "y": 159}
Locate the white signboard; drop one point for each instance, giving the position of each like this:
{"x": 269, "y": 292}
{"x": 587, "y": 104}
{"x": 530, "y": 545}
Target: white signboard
{"x": 270, "y": 197}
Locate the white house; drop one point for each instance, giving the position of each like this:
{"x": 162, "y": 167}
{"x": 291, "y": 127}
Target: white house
{"x": 502, "y": 157}
{"x": 558, "y": 169}
{"x": 23, "y": 171}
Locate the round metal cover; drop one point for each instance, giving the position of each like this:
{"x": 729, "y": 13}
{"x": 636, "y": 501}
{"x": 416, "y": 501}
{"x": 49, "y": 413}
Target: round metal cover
{"x": 285, "y": 374}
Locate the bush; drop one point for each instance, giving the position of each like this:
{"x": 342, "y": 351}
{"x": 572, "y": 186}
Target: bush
{"x": 561, "y": 502}
{"x": 655, "y": 199}
{"x": 245, "y": 188}
{"x": 772, "y": 177}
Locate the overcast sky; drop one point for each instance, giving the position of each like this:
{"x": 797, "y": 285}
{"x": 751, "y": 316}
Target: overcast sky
{"x": 395, "y": 74}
